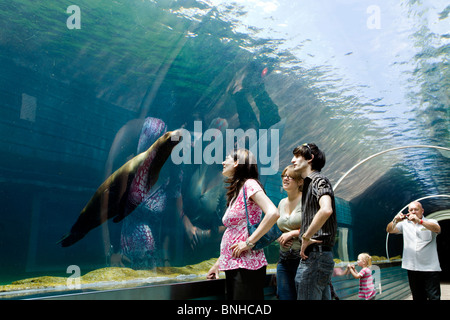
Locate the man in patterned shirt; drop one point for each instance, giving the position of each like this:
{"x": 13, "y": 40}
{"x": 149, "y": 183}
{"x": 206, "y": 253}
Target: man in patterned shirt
{"x": 319, "y": 225}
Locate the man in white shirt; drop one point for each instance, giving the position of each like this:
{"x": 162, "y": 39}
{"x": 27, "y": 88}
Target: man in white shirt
{"x": 420, "y": 255}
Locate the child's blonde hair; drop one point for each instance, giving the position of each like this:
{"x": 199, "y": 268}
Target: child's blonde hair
{"x": 366, "y": 257}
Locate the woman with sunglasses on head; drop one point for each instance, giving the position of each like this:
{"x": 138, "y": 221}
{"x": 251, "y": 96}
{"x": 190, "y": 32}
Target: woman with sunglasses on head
{"x": 290, "y": 209}
{"x": 245, "y": 269}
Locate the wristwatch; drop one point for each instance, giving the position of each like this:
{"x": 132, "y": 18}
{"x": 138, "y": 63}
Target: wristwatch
{"x": 249, "y": 244}
{"x": 305, "y": 238}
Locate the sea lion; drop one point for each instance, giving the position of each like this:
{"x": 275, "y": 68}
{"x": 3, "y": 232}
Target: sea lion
{"x": 139, "y": 173}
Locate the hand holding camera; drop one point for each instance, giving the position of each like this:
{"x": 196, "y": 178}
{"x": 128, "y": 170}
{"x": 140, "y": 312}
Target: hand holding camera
{"x": 400, "y": 217}
{"x": 410, "y": 216}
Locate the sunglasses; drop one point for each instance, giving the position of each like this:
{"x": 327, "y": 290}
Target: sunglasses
{"x": 307, "y": 145}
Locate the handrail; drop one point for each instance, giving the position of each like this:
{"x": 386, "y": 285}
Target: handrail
{"x": 380, "y": 153}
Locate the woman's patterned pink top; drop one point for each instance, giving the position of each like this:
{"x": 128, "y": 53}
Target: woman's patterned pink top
{"x": 236, "y": 223}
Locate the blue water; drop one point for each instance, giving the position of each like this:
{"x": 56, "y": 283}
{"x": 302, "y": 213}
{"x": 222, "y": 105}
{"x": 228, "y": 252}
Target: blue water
{"x": 354, "y": 77}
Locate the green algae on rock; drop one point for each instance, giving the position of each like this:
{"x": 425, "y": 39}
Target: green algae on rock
{"x": 111, "y": 277}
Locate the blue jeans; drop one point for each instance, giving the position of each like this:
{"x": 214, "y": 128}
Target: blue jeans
{"x": 314, "y": 275}
{"x": 286, "y": 271}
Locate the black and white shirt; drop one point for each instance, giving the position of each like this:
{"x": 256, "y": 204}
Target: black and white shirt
{"x": 315, "y": 186}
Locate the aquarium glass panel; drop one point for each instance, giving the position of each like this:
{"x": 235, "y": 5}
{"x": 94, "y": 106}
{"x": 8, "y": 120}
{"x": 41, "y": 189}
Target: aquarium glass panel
{"x": 115, "y": 117}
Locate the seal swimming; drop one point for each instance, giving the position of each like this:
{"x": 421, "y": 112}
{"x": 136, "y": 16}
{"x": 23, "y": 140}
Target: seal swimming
{"x": 116, "y": 197}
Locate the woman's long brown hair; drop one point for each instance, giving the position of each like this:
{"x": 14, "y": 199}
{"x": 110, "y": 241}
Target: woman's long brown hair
{"x": 246, "y": 169}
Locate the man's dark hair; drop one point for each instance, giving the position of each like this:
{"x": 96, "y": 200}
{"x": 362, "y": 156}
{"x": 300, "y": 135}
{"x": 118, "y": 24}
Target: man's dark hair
{"x": 306, "y": 150}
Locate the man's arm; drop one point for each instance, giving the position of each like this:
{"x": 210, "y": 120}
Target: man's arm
{"x": 392, "y": 226}
{"x": 322, "y": 215}
{"x": 430, "y": 225}
{"x": 325, "y": 212}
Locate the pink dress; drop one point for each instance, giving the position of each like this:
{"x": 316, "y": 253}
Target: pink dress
{"x": 236, "y": 223}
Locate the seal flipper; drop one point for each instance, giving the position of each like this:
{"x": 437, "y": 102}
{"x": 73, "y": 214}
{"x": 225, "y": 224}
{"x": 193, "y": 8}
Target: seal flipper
{"x": 106, "y": 198}
{"x": 69, "y": 239}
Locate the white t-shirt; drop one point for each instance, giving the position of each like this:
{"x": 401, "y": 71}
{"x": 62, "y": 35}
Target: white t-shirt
{"x": 419, "y": 246}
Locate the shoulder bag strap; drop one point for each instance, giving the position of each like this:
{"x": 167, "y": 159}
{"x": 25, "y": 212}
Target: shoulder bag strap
{"x": 245, "y": 202}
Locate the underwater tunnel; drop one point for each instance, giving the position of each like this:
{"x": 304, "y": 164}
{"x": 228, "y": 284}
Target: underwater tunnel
{"x": 85, "y": 87}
